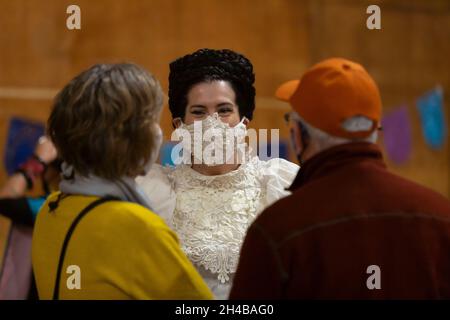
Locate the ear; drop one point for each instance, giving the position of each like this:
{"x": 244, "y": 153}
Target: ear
{"x": 245, "y": 121}
{"x": 295, "y": 133}
{"x": 177, "y": 122}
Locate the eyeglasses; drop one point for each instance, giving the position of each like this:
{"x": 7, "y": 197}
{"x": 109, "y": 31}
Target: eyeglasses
{"x": 291, "y": 116}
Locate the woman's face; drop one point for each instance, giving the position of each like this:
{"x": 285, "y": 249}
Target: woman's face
{"x": 206, "y": 98}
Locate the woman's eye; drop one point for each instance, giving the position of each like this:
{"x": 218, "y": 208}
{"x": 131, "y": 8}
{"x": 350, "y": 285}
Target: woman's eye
{"x": 225, "y": 110}
{"x": 197, "y": 112}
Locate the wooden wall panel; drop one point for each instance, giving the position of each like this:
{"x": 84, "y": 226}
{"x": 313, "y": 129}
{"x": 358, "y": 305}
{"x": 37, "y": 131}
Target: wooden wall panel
{"x": 282, "y": 38}
{"x": 39, "y": 52}
{"x": 407, "y": 57}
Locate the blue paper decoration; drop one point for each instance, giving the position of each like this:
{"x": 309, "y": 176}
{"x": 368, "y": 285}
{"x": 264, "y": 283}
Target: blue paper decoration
{"x": 431, "y": 110}
{"x": 21, "y": 141}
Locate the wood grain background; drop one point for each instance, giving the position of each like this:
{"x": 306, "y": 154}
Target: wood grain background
{"x": 407, "y": 57}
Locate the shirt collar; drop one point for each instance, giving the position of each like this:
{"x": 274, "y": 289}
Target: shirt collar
{"x": 335, "y": 157}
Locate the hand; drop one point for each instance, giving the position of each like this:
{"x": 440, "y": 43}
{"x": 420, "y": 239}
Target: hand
{"x": 45, "y": 150}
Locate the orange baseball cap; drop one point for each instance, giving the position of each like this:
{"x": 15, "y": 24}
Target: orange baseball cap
{"x": 331, "y": 92}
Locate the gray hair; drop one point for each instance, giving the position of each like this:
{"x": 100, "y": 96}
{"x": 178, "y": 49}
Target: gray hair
{"x": 354, "y": 124}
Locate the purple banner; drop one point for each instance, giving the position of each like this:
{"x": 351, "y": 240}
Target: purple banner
{"x": 397, "y": 135}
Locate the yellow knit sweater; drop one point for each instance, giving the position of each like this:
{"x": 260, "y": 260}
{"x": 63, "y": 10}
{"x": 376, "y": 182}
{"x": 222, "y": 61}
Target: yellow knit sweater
{"x": 123, "y": 251}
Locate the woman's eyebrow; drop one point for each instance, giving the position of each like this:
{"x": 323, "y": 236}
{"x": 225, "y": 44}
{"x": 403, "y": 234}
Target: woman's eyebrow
{"x": 197, "y": 106}
{"x": 222, "y": 104}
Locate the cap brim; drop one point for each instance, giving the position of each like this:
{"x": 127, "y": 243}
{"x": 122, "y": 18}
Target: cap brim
{"x": 286, "y": 90}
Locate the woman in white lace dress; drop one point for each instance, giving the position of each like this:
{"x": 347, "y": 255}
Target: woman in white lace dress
{"x": 211, "y": 206}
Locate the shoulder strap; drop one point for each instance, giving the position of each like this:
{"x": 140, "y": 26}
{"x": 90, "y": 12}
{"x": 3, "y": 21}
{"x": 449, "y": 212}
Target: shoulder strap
{"x": 68, "y": 236}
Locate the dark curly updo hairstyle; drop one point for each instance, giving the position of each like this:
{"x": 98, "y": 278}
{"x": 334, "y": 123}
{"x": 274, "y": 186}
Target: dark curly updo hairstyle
{"x": 206, "y": 65}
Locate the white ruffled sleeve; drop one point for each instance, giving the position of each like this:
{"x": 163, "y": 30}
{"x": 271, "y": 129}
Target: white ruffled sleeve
{"x": 277, "y": 174}
{"x": 158, "y": 188}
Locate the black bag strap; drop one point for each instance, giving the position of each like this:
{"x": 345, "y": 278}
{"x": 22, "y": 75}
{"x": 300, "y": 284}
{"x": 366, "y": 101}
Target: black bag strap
{"x": 69, "y": 235}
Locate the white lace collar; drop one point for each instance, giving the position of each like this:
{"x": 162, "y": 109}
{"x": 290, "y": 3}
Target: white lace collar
{"x": 212, "y": 214}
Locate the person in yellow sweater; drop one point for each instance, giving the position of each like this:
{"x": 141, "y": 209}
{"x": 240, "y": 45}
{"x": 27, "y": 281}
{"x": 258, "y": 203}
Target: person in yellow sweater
{"x": 97, "y": 238}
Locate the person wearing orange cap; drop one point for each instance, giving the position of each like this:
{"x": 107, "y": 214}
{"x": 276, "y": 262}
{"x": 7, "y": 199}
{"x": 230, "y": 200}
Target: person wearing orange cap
{"x": 350, "y": 229}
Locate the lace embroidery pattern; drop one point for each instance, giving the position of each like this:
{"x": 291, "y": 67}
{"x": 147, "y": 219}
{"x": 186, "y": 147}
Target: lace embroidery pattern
{"x": 212, "y": 215}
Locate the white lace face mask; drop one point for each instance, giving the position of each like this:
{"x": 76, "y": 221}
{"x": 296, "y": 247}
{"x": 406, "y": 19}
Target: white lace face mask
{"x": 213, "y": 142}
